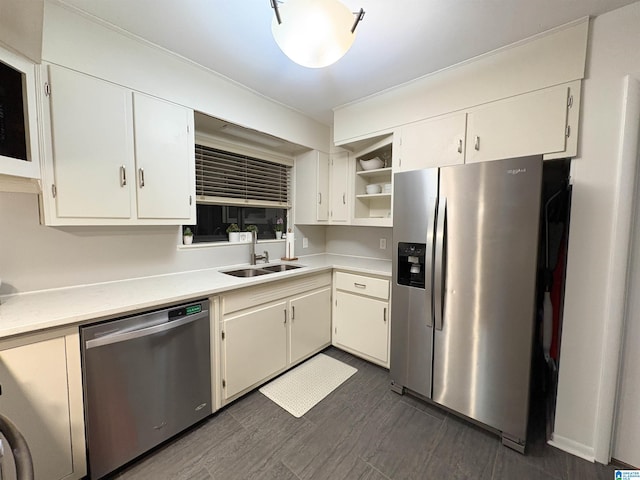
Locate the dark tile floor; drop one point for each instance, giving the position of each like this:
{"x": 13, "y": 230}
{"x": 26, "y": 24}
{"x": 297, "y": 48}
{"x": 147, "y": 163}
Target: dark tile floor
{"x": 362, "y": 430}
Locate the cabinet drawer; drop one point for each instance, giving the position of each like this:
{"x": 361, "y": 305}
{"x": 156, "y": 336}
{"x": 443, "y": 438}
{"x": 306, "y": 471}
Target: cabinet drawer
{"x": 372, "y": 287}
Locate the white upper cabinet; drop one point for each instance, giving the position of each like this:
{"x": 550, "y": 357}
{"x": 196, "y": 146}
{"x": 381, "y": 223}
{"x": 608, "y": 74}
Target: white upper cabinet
{"x": 164, "y": 150}
{"x": 92, "y": 143}
{"x": 339, "y": 185}
{"x": 19, "y": 147}
{"x": 436, "y": 142}
{"x": 312, "y": 188}
{"x": 534, "y": 123}
{"x": 115, "y": 157}
{"x": 322, "y": 187}
{"x": 544, "y": 122}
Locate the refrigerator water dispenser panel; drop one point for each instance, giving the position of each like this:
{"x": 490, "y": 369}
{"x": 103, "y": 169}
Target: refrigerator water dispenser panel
{"x": 411, "y": 267}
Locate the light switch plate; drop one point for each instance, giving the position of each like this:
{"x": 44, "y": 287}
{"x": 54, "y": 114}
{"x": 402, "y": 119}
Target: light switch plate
{"x": 383, "y": 244}
{"x": 305, "y": 242}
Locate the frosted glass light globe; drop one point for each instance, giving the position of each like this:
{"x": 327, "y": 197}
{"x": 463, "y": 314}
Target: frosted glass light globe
{"x": 314, "y": 33}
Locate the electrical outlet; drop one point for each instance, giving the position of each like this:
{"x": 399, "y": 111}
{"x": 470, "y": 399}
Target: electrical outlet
{"x": 305, "y": 242}
{"x": 383, "y": 244}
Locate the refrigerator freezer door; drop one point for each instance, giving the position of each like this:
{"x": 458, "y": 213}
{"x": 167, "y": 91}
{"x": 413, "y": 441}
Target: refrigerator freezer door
{"x": 414, "y": 203}
{"x": 482, "y": 355}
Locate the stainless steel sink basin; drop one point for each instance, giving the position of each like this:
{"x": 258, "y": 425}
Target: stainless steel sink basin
{"x": 248, "y": 272}
{"x": 280, "y": 268}
{"x": 255, "y": 271}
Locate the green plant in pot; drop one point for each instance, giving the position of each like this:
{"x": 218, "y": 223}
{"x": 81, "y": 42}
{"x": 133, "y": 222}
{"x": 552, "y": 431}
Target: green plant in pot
{"x": 234, "y": 232}
{"x": 187, "y": 236}
{"x": 279, "y": 227}
{"x": 254, "y": 230}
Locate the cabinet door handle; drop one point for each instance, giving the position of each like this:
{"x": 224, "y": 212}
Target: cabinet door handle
{"x": 384, "y": 315}
{"x": 285, "y": 316}
{"x": 460, "y": 146}
{"x": 319, "y": 198}
{"x": 293, "y": 313}
{"x": 141, "y": 176}
{"x": 476, "y": 144}
{"x": 123, "y": 175}
{"x": 360, "y": 285}
{"x": 344, "y": 199}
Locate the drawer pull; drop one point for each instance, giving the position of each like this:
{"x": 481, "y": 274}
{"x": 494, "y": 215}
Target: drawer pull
{"x": 359, "y": 285}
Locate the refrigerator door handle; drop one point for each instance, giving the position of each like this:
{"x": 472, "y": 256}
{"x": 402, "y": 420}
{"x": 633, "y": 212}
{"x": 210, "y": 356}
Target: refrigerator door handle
{"x": 439, "y": 269}
{"x": 428, "y": 258}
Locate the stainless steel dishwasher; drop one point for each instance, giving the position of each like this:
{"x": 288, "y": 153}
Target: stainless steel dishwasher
{"x": 146, "y": 378}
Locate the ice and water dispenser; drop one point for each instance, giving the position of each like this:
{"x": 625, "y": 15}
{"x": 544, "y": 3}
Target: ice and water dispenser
{"x": 411, "y": 267}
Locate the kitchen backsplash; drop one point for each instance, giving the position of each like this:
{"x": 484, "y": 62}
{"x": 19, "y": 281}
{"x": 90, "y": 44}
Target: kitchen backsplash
{"x": 35, "y": 257}
{"x": 359, "y": 241}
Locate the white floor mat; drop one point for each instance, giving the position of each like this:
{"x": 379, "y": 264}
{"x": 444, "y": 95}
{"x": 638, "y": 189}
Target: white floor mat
{"x": 300, "y": 389}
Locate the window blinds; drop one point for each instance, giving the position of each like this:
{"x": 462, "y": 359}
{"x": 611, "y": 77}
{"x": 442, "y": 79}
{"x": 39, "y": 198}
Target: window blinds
{"x": 229, "y": 178}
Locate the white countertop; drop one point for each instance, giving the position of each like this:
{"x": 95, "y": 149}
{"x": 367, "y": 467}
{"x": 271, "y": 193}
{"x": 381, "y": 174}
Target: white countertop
{"x": 33, "y": 311}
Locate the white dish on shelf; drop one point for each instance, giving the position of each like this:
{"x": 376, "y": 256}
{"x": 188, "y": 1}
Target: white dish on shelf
{"x": 371, "y": 164}
{"x": 373, "y": 188}
{"x": 386, "y": 188}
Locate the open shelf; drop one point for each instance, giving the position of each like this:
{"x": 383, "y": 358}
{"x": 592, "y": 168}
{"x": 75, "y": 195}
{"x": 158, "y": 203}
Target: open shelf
{"x": 378, "y": 172}
{"x": 374, "y": 195}
{"x": 373, "y": 208}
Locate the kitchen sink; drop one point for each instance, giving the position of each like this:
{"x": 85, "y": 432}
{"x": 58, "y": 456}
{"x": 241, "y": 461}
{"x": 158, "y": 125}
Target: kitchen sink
{"x": 280, "y": 268}
{"x": 248, "y": 272}
{"x": 255, "y": 271}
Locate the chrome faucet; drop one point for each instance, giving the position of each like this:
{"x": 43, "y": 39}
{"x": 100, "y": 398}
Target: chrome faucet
{"x": 254, "y": 257}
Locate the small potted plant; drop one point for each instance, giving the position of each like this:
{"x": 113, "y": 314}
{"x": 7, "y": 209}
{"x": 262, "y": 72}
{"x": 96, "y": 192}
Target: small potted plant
{"x": 187, "y": 236}
{"x": 234, "y": 232}
{"x": 279, "y": 227}
{"x": 253, "y": 229}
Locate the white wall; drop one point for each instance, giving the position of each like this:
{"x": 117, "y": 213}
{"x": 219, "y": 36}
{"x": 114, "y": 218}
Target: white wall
{"x": 359, "y": 241}
{"x": 21, "y": 26}
{"x": 627, "y": 426}
{"x": 74, "y": 41}
{"x": 35, "y": 257}
{"x": 613, "y": 53}
{"x": 549, "y": 59}
{"x": 44, "y": 257}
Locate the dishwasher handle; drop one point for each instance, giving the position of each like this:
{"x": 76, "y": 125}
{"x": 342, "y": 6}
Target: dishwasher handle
{"x": 144, "y": 332}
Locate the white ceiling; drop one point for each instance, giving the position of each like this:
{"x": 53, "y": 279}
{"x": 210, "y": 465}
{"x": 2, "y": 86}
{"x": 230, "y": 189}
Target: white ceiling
{"x": 397, "y": 41}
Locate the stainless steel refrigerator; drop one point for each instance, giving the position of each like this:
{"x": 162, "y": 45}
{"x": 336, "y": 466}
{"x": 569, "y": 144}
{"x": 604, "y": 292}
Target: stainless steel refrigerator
{"x": 464, "y": 284}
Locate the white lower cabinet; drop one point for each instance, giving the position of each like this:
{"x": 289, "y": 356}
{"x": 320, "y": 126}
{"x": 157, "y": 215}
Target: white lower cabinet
{"x": 266, "y": 329}
{"x": 310, "y": 323}
{"x": 41, "y": 384}
{"x": 255, "y": 346}
{"x": 361, "y": 316}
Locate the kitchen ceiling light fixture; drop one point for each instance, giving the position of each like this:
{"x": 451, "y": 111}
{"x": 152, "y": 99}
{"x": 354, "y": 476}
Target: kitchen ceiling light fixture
{"x": 314, "y": 33}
